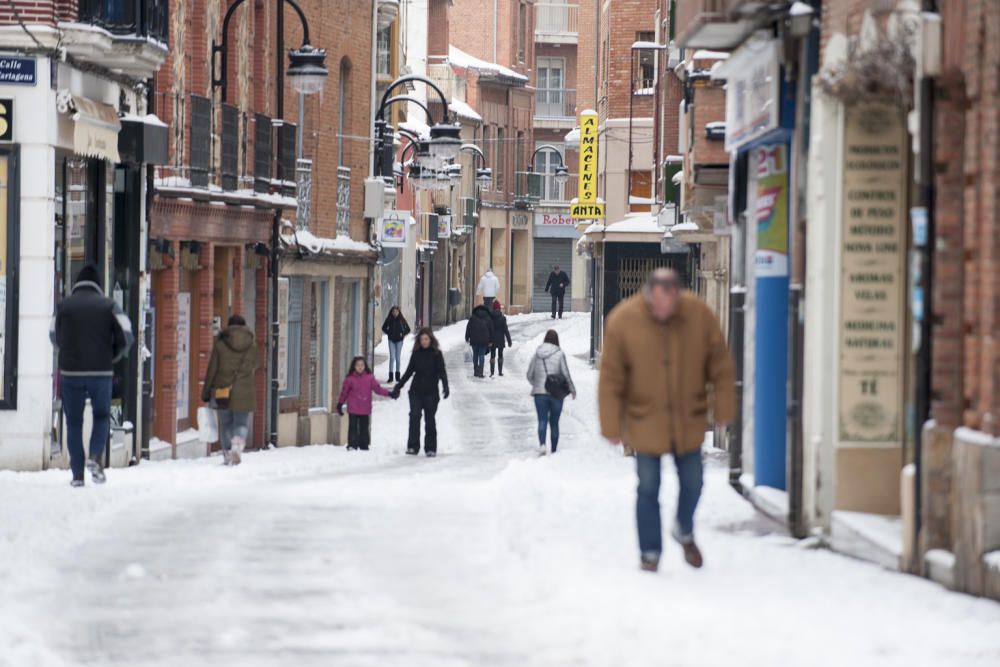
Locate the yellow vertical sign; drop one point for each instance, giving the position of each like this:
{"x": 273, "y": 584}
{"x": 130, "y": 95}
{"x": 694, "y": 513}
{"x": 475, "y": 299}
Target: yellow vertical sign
{"x": 587, "y": 193}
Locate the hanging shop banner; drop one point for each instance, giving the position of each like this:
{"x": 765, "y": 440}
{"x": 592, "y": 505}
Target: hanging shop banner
{"x": 586, "y": 204}
{"x": 444, "y": 226}
{"x": 872, "y": 279}
{"x": 771, "y": 259}
{"x": 183, "y": 355}
{"x": 752, "y": 86}
{"x": 392, "y": 229}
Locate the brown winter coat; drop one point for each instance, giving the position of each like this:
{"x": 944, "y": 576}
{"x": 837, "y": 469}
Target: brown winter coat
{"x": 655, "y": 378}
{"x": 232, "y": 364}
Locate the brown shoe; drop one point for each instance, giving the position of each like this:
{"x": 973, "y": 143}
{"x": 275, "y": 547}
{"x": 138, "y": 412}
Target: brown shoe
{"x": 649, "y": 564}
{"x": 692, "y": 554}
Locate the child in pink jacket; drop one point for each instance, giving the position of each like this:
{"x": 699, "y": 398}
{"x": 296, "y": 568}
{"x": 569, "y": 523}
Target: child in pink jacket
{"x": 356, "y": 394}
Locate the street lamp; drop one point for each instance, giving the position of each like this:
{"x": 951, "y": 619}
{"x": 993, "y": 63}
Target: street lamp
{"x": 307, "y": 74}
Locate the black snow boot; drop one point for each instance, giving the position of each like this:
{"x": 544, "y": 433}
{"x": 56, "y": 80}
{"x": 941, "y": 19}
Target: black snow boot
{"x": 397, "y": 376}
{"x": 390, "y": 376}
{"x": 493, "y": 367}
{"x": 500, "y": 366}
{"x": 412, "y": 451}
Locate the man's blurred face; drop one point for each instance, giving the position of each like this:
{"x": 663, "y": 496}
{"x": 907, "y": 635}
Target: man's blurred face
{"x": 662, "y": 301}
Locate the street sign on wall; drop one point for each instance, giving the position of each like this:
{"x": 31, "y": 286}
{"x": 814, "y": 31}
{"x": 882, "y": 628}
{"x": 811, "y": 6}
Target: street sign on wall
{"x": 20, "y": 71}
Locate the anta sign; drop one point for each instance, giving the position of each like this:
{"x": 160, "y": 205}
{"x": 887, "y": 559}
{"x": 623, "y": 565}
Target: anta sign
{"x": 592, "y": 211}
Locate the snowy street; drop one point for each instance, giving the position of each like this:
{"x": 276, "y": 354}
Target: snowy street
{"x": 487, "y": 555}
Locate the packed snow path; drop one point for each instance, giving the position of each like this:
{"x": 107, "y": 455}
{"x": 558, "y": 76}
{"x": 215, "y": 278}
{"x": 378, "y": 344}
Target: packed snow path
{"x": 487, "y": 555}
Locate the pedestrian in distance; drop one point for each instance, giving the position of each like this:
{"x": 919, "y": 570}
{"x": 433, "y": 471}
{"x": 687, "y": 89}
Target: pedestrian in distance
{"x": 556, "y": 286}
{"x": 230, "y": 388}
{"x": 427, "y": 369}
{"x": 479, "y": 334}
{"x": 551, "y": 383}
{"x": 395, "y": 328}
{"x": 92, "y": 334}
{"x": 489, "y": 286}
{"x": 356, "y": 396}
{"x": 663, "y": 356}
{"x": 501, "y": 337}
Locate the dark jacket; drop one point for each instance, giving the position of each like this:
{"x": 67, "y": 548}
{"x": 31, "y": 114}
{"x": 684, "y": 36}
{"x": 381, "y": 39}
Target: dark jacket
{"x": 91, "y": 332}
{"x": 479, "y": 330}
{"x": 426, "y": 367}
{"x": 395, "y": 328}
{"x": 557, "y": 283}
{"x": 232, "y": 364}
{"x": 500, "y": 330}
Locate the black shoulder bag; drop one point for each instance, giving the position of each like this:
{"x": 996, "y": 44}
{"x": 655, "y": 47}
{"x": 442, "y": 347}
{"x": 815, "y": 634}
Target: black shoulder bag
{"x": 556, "y": 384}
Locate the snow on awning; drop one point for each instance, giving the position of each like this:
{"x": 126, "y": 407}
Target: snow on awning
{"x": 464, "y": 111}
{"x": 459, "y": 59}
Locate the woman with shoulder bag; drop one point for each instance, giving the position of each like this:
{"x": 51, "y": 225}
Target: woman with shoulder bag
{"x": 229, "y": 386}
{"x": 551, "y": 383}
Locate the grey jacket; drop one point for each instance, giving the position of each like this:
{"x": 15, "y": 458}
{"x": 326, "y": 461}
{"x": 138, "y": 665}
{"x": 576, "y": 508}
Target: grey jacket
{"x": 548, "y": 360}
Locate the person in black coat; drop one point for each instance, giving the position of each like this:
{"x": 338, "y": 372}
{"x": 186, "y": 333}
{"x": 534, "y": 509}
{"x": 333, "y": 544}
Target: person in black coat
{"x": 501, "y": 336}
{"x": 395, "y": 329}
{"x": 427, "y": 369}
{"x": 479, "y": 334}
{"x": 556, "y": 286}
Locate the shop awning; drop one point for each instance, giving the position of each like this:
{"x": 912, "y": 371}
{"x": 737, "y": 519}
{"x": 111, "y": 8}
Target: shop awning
{"x": 95, "y": 130}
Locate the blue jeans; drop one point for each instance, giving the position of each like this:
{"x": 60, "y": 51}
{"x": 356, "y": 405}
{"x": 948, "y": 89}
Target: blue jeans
{"x": 75, "y": 390}
{"x": 479, "y": 355}
{"x": 647, "y": 506}
{"x": 549, "y": 409}
{"x": 232, "y": 424}
{"x": 395, "y": 356}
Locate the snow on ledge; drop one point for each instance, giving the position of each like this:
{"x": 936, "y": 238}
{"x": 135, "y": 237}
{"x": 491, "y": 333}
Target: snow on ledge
{"x": 975, "y": 437}
{"x": 463, "y": 110}
{"x": 462, "y": 60}
{"x": 706, "y": 54}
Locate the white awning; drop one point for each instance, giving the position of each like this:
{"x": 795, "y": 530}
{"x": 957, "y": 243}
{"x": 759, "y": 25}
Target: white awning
{"x": 95, "y": 129}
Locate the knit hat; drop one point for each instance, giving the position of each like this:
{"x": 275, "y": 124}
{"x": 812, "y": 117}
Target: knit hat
{"x": 89, "y": 273}
{"x": 496, "y": 305}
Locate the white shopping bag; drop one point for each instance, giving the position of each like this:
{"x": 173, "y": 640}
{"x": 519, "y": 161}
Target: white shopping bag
{"x": 208, "y": 425}
{"x": 468, "y": 356}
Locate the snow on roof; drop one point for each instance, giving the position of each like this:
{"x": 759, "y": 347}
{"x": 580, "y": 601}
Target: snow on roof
{"x": 635, "y": 223}
{"x": 316, "y": 245}
{"x": 647, "y": 45}
{"x": 463, "y": 110}
{"x": 462, "y": 60}
{"x": 148, "y": 119}
{"x": 705, "y": 54}
{"x": 716, "y": 125}
{"x": 686, "y": 226}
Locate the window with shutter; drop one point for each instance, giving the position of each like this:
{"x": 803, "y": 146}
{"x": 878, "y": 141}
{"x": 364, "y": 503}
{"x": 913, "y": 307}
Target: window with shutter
{"x": 286, "y": 157}
{"x": 201, "y": 140}
{"x": 230, "y": 146}
{"x": 262, "y": 153}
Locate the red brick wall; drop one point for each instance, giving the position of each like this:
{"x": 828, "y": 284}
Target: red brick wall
{"x": 621, "y": 20}
{"x": 709, "y": 107}
{"x": 47, "y": 12}
{"x": 586, "y": 56}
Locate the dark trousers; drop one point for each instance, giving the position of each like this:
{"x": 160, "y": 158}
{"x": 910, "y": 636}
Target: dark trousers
{"x": 549, "y": 410}
{"x": 358, "y": 431}
{"x": 557, "y": 304}
{"x": 647, "y": 507}
{"x": 488, "y": 301}
{"x": 75, "y": 390}
{"x": 496, "y": 352}
{"x": 479, "y": 357}
{"x": 426, "y": 405}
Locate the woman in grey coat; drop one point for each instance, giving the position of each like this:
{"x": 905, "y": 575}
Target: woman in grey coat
{"x": 549, "y": 360}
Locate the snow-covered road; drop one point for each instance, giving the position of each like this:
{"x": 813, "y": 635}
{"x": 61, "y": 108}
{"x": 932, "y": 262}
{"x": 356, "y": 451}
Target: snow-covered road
{"x": 488, "y": 555}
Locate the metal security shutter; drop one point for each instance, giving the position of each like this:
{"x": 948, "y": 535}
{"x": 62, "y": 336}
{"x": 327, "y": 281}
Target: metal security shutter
{"x": 201, "y": 140}
{"x": 230, "y": 146}
{"x": 548, "y": 253}
{"x": 262, "y": 153}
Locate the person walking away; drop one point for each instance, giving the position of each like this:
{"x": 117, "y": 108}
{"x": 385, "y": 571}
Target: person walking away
{"x": 479, "y": 334}
{"x": 556, "y": 286}
{"x": 230, "y": 387}
{"x": 489, "y": 286}
{"x": 396, "y": 329}
{"x": 356, "y": 395}
{"x": 663, "y": 352}
{"x": 427, "y": 369}
{"x": 91, "y": 334}
{"x": 551, "y": 382}
{"x": 501, "y": 337}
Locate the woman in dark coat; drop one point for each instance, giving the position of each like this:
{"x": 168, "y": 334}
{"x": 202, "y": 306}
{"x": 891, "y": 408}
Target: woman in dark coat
{"x": 479, "y": 334}
{"x": 427, "y": 369}
{"x": 501, "y": 337}
{"x": 395, "y": 329}
{"x": 230, "y": 388}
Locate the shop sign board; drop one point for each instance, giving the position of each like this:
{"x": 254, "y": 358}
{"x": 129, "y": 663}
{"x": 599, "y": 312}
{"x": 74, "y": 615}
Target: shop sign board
{"x": 872, "y": 279}
{"x": 771, "y": 257}
{"x": 393, "y": 229}
{"x": 554, "y": 220}
{"x": 183, "y": 355}
{"x": 444, "y": 226}
{"x": 753, "y": 82}
{"x": 6, "y": 120}
{"x": 586, "y": 204}
{"x": 591, "y": 211}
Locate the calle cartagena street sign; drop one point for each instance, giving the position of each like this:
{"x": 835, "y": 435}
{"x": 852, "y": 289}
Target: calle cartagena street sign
{"x": 587, "y": 206}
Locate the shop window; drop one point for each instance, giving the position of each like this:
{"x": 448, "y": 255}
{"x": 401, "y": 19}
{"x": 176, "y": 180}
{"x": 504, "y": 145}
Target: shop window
{"x": 201, "y": 140}
{"x": 262, "y": 153}
{"x": 9, "y": 208}
{"x": 319, "y": 345}
{"x": 296, "y": 289}
{"x": 230, "y": 146}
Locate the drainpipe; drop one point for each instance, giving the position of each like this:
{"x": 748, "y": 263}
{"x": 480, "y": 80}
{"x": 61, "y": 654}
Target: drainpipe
{"x": 494, "y": 30}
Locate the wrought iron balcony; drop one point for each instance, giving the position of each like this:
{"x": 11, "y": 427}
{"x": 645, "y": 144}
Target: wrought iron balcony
{"x": 555, "y": 103}
{"x": 142, "y": 18}
{"x": 556, "y": 22}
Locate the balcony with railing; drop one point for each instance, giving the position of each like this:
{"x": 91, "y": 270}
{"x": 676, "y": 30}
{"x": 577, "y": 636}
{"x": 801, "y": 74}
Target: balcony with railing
{"x": 717, "y": 24}
{"x": 556, "y": 22}
{"x": 555, "y": 108}
{"x": 132, "y": 36}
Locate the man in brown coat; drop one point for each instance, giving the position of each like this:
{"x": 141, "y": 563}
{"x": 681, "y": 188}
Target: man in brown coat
{"x": 664, "y": 356}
